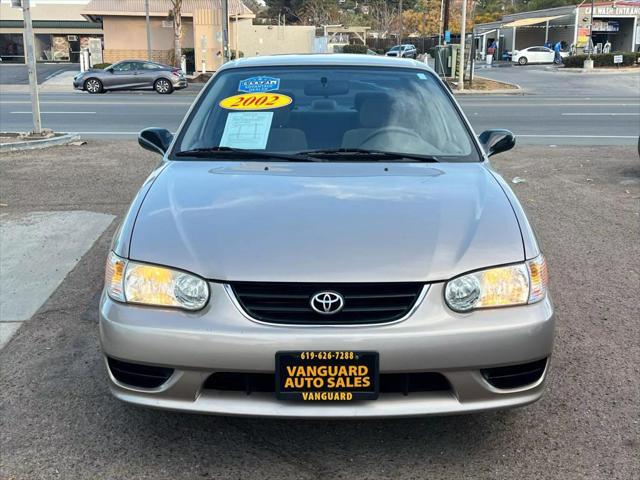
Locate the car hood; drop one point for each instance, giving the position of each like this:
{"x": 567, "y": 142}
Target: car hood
{"x": 326, "y": 222}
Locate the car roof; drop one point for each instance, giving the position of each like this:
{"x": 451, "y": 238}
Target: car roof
{"x": 325, "y": 59}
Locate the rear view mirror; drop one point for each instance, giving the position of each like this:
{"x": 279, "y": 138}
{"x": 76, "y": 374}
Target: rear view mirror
{"x": 497, "y": 140}
{"x": 155, "y": 140}
{"x": 325, "y": 88}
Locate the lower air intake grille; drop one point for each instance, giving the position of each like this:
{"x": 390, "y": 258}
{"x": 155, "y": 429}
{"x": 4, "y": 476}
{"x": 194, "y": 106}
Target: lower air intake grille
{"x": 515, "y": 376}
{"x": 136, "y": 375}
{"x": 290, "y": 303}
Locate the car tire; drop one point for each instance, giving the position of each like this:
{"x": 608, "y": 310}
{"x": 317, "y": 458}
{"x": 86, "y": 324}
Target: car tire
{"x": 93, "y": 85}
{"x": 523, "y": 60}
{"x": 163, "y": 86}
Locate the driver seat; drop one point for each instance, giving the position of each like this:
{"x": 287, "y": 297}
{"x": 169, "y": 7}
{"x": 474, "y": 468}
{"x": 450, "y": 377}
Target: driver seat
{"x": 374, "y": 113}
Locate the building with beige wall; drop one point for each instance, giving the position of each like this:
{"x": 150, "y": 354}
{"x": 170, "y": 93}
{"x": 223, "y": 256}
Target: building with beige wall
{"x": 125, "y": 34}
{"x": 125, "y": 31}
{"x": 60, "y": 31}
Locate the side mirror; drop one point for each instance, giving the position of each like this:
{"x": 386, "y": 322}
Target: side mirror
{"x": 155, "y": 140}
{"x": 497, "y": 140}
{"x": 108, "y": 69}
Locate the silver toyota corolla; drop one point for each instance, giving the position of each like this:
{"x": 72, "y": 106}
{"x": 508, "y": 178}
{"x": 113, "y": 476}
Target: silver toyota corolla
{"x": 325, "y": 237}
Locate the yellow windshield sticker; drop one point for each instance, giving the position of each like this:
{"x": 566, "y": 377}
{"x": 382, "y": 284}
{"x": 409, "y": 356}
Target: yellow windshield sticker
{"x": 255, "y": 101}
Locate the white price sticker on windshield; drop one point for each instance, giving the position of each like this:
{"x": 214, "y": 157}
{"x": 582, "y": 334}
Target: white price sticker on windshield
{"x": 247, "y": 130}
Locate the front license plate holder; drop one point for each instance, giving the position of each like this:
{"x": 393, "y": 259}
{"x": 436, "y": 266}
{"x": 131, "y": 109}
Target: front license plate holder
{"x": 327, "y": 376}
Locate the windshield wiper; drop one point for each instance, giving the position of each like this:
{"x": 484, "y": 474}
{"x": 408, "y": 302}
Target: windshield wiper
{"x": 348, "y": 153}
{"x": 212, "y": 152}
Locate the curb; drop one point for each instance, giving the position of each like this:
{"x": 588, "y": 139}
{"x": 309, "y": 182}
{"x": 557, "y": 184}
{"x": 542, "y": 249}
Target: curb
{"x": 518, "y": 90}
{"x": 37, "y": 144}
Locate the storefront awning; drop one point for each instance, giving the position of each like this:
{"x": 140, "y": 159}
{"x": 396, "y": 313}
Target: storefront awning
{"x": 530, "y": 21}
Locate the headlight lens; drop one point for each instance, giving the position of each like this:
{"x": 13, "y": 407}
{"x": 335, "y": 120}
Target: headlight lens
{"x": 133, "y": 282}
{"x": 499, "y": 287}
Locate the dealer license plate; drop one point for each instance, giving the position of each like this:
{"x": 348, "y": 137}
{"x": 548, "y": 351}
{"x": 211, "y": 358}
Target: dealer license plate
{"x": 327, "y": 376}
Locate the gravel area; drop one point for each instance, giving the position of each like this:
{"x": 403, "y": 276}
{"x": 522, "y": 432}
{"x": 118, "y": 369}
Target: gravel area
{"x": 59, "y": 421}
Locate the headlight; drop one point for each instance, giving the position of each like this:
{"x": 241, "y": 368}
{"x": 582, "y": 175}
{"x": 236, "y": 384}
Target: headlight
{"x": 133, "y": 282}
{"x": 499, "y": 287}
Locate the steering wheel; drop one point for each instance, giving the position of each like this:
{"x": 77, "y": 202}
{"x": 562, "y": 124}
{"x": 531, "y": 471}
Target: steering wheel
{"x": 385, "y": 130}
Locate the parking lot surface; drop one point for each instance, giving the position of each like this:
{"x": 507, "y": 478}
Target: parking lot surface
{"x": 59, "y": 420}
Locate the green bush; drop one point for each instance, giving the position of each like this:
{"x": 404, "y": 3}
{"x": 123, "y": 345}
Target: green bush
{"x": 102, "y": 65}
{"x": 601, "y": 60}
{"x": 362, "y": 49}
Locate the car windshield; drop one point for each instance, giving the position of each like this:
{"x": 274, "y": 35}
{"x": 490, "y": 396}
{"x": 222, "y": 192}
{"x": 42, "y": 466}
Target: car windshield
{"x": 327, "y": 110}
{"x": 394, "y": 49}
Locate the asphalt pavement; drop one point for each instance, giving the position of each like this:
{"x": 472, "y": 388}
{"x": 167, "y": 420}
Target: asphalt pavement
{"x": 555, "y": 108}
{"x": 16, "y": 74}
{"x": 59, "y": 421}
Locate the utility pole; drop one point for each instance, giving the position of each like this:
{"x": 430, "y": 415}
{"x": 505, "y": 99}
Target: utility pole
{"x": 588, "y": 63}
{"x": 400, "y": 34}
{"x": 225, "y": 31}
{"x": 30, "y": 52}
{"x": 440, "y": 31}
{"x": 235, "y": 26}
{"x": 463, "y": 32}
{"x": 445, "y": 20}
{"x": 146, "y": 13}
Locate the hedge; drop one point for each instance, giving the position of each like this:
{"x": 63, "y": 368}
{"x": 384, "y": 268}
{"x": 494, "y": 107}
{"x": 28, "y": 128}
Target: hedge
{"x": 102, "y": 66}
{"x": 355, "y": 49}
{"x": 601, "y": 60}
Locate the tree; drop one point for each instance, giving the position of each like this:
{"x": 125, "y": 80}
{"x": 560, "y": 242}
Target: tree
{"x": 176, "y": 14}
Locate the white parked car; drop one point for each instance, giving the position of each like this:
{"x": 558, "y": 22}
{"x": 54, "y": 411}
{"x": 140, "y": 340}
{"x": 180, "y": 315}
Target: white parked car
{"x": 535, "y": 55}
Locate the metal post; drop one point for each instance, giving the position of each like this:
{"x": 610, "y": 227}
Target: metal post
{"x": 463, "y": 26}
{"x": 31, "y": 67}
{"x": 146, "y": 12}
{"x": 591, "y": 30}
{"x": 225, "y": 31}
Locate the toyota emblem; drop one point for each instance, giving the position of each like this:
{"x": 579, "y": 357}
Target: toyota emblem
{"x": 327, "y": 303}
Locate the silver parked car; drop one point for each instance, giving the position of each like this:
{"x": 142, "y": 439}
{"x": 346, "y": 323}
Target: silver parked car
{"x": 325, "y": 237}
{"x": 131, "y": 75}
{"x": 404, "y": 51}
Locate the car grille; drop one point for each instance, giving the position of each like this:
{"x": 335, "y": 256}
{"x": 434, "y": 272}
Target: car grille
{"x": 404, "y": 383}
{"x": 289, "y": 303}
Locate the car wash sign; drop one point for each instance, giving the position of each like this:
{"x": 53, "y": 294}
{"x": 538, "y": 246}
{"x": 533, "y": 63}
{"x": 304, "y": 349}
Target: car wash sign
{"x": 610, "y": 10}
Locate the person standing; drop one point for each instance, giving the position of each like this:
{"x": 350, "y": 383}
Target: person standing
{"x": 557, "y": 58}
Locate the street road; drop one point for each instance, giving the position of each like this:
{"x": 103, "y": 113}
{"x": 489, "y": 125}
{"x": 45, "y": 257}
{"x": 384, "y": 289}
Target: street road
{"x": 59, "y": 421}
{"x": 535, "y": 119}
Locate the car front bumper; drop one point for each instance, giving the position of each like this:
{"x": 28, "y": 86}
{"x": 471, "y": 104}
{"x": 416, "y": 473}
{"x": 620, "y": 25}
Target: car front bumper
{"x": 179, "y": 83}
{"x": 222, "y": 338}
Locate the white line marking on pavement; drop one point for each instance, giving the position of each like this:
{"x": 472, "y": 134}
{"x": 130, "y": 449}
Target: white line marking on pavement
{"x": 577, "y": 136}
{"x": 98, "y": 102}
{"x": 600, "y": 114}
{"x": 542, "y": 104}
{"x": 38, "y": 250}
{"x": 57, "y": 113}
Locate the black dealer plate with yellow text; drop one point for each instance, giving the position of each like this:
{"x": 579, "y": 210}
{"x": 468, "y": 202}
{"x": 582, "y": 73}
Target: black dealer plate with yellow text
{"x": 327, "y": 376}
